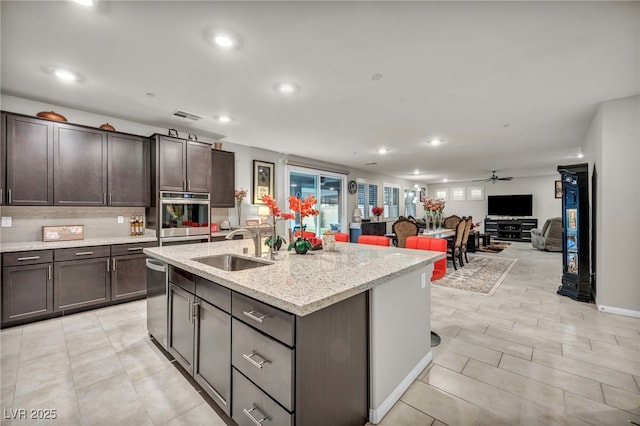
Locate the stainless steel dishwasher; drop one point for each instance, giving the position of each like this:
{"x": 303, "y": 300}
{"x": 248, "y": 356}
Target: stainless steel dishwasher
{"x": 157, "y": 300}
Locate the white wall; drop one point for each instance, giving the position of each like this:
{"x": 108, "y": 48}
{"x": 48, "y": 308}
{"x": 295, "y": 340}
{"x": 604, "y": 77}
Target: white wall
{"x": 613, "y": 145}
{"x": 545, "y": 205}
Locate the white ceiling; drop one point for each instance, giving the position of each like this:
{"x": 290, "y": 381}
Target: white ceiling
{"x": 510, "y": 86}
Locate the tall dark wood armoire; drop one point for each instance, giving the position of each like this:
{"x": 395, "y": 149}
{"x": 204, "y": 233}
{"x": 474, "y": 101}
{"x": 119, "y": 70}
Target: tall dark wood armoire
{"x": 576, "y": 256}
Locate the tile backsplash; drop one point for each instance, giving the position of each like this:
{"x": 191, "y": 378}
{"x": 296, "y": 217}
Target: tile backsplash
{"x": 99, "y": 222}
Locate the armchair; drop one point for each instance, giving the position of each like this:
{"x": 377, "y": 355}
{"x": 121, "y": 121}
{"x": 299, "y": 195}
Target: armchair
{"x": 549, "y": 238}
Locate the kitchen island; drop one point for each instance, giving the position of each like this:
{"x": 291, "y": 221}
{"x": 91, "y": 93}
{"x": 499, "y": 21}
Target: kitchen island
{"x": 321, "y": 338}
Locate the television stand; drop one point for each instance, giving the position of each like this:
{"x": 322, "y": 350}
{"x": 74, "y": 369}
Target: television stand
{"x": 510, "y": 229}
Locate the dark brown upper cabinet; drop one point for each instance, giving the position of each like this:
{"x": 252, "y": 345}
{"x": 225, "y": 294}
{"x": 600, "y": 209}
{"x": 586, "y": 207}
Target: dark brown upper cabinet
{"x": 80, "y": 171}
{"x": 29, "y": 161}
{"x": 183, "y": 165}
{"x": 3, "y": 155}
{"x": 52, "y": 163}
{"x": 223, "y": 181}
{"x": 128, "y": 170}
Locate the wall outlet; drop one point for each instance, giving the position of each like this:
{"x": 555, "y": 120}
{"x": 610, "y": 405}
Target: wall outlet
{"x": 6, "y": 221}
{"x": 120, "y": 219}
{"x": 423, "y": 278}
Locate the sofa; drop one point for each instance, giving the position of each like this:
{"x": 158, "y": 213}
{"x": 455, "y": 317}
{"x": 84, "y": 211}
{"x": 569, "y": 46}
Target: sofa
{"x": 549, "y": 238}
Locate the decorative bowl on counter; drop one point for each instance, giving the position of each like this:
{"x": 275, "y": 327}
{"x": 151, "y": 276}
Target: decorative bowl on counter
{"x": 50, "y": 115}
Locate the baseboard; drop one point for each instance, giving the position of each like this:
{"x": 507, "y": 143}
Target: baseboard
{"x": 619, "y": 311}
{"x": 376, "y": 414}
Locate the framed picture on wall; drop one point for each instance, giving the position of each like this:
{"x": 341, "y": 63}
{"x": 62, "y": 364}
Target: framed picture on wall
{"x": 558, "y": 189}
{"x": 263, "y": 174}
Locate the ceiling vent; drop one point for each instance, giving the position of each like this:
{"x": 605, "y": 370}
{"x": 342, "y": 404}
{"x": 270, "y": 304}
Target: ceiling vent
{"x": 187, "y": 115}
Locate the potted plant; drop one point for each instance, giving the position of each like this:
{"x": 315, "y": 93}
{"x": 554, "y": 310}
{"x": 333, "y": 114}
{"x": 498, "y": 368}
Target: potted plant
{"x": 377, "y": 212}
{"x": 303, "y": 208}
{"x": 274, "y": 241}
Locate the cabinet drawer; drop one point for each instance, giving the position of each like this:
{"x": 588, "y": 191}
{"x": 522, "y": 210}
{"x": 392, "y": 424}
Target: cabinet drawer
{"x": 270, "y": 320}
{"x": 214, "y": 293}
{"x": 27, "y": 257}
{"x": 268, "y": 363}
{"x": 131, "y": 248}
{"x": 251, "y": 405}
{"x": 183, "y": 279}
{"x": 76, "y": 253}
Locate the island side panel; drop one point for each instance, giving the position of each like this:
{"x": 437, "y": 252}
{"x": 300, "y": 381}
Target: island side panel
{"x": 400, "y": 337}
{"x": 332, "y": 364}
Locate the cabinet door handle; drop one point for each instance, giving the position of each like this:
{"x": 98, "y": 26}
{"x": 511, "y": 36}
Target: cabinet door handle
{"x": 188, "y": 184}
{"x": 134, "y": 248}
{"x": 252, "y": 361}
{"x": 110, "y": 198}
{"x": 114, "y": 265}
{"x": 104, "y": 196}
{"x": 255, "y": 315}
{"x": 28, "y": 258}
{"x": 49, "y": 272}
{"x": 9, "y": 194}
{"x": 84, "y": 253}
{"x": 255, "y": 419}
{"x": 108, "y": 264}
{"x": 190, "y": 312}
{"x": 194, "y": 314}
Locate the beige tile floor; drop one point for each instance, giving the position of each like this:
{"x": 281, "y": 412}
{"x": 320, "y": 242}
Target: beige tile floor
{"x": 524, "y": 356}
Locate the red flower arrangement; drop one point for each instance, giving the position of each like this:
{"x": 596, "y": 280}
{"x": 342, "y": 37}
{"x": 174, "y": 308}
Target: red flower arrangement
{"x": 377, "y": 210}
{"x": 304, "y": 208}
{"x": 275, "y": 241}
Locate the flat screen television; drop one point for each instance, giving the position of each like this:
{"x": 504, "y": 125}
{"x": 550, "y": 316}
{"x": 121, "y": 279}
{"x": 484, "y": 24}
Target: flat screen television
{"x": 510, "y": 205}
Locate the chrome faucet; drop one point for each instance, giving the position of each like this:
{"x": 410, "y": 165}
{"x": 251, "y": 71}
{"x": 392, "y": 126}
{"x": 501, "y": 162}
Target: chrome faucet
{"x": 254, "y": 235}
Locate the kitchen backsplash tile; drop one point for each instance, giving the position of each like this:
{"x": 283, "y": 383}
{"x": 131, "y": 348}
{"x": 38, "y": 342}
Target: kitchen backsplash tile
{"x": 98, "y": 222}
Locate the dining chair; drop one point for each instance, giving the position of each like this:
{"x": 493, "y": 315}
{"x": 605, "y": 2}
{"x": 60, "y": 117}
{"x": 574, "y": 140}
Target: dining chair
{"x": 453, "y": 245}
{"x": 376, "y": 240}
{"x": 465, "y": 238}
{"x": 305, "y": 234}
{"x": 433, "y": 244}
{"x": 402, "y": 229}
{"x": 342, "y": 237}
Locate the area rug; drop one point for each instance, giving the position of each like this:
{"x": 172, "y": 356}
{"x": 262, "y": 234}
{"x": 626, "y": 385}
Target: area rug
{"x": 482, "y": 274}
{"x": 493, "y": 247}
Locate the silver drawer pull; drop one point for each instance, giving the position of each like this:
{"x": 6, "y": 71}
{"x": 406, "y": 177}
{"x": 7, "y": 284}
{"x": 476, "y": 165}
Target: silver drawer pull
{"x": 254, "y": 419}
{"x": 252, "y": 361}
{"x": 134, "y": 248}
{"x": 255, "y": 315}
{"x": 84, "y": 253}
{"x": 29, "y": 258}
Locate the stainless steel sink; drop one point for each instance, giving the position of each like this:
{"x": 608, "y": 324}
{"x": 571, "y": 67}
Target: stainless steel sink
{"x": 232, "y": 262}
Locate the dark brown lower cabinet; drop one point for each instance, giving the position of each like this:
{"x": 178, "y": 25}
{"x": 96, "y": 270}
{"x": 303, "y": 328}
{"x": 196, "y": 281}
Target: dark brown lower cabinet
{"x": 199, "y": 335}
{"x": 128, "y": 276}
{"x": 181, "y": 329}
{"x": 27, "y": 292}
{"x": 81, "y": 283}
{"x": 211, "y": 367}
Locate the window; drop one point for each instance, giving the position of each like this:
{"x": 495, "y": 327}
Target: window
{"x": 410, "y": 200}
{"x": 476, "y": 193}
{"x": 457, "y": 194}
{"x": 441, "y": 193}
{"x": 328, "y": 188}
{"x": 391, "y": 200}
{"x": 367, "y": 198}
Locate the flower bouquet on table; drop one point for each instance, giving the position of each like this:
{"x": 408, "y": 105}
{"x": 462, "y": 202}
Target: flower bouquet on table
{"x": 240, "y": 195}
{"x": 274, "y": 241}
{"x": 377, "y": 212}
{"x": 304, "y": 208}
{"x": 433, "y": 208}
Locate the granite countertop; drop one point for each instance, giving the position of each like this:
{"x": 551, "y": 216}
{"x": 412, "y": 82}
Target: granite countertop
{"x": 301, "y": 284}
{"x": 87, "y": 242}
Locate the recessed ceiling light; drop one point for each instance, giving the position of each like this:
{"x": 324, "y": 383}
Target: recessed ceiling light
{"x": 223, "y": 118}
{"x": 224, "y": 40}
{"x": 286, "y": 88}
{"x": 435, "y": 141}
{"x": 416, "y": 172}
{"x": 444, "y": 180}
{"x": 84, "y": 2}
{"x": 416, "y": 186}
{"x": 65, "y": 75}
{"x": 580, "y": 155}
{"x": 383, "y": 151}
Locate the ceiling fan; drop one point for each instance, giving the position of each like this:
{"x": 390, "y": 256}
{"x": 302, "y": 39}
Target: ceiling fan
{"x": 493, "y": 178}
